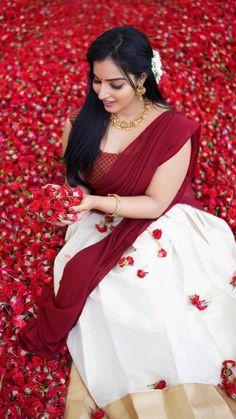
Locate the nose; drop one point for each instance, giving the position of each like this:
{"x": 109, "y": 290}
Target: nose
{"x": 103, "y": 92}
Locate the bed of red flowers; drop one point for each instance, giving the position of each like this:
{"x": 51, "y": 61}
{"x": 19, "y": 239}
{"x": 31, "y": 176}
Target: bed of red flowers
{"x": 42, "y": 78}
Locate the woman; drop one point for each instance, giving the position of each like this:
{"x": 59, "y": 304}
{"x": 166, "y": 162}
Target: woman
{"x": 142, "y": 286}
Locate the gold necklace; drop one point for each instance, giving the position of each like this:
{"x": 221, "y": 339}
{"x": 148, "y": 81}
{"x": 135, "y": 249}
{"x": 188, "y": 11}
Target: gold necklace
{"x": 132, "y": 123}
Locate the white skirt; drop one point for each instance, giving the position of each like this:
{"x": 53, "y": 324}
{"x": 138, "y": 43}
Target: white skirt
{"x": 135, "y": 331}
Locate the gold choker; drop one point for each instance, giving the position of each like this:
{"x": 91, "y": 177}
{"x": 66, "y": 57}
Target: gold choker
{"x": 117, "y": 123}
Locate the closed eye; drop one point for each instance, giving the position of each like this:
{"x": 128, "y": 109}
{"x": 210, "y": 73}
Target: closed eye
{"x": 117, "y": 87}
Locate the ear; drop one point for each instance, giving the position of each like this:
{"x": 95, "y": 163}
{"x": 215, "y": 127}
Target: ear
{"x": 142, "y": 78}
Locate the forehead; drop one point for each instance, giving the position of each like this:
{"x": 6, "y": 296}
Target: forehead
{"x": 107, "y": 70}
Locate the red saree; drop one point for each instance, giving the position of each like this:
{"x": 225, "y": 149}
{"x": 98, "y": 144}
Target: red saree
{"x": 130, "y": 175}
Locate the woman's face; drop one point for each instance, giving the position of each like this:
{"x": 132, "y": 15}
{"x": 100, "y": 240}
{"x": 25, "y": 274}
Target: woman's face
{"x": 112, "y": 87}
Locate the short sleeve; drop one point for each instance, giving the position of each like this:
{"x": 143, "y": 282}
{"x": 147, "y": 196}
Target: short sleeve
{"x": 72, "y": 115}
{"x": 182, "y": 128}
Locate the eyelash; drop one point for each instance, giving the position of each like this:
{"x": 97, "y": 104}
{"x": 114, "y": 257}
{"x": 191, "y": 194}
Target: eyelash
{"x": 113, "y": 87}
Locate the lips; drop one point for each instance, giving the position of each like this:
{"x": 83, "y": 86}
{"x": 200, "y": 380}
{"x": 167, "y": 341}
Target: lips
{"x": 107, "y": 103}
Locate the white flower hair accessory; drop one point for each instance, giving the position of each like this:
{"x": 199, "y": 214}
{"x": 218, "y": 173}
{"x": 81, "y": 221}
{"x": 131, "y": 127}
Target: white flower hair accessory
{"x": 156, "y": 65}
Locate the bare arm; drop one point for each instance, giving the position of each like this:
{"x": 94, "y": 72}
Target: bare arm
{"x": 65, "y": 135}
{"x": 64, "y": 138}
{"x": 162, "y": 189}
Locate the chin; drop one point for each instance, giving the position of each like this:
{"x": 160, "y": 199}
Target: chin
{"x": 112, "y": 109}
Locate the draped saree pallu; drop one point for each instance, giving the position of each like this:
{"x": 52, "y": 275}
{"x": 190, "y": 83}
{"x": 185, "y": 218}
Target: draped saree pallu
{"x": 130, "y": 175}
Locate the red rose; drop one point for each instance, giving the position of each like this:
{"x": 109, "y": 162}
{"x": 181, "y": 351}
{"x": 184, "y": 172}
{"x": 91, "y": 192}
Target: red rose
{"x": 226, "y": 373}
{"x": 129, "y": 260}
{"x": 121, "y": 262}
{"x": 78, "y": 193}
{"x": 57, "y": 205}
{"x": 98, "y": 414}
{"x": 72, "y": 217}
{"x": 157, "y": 234}
{"x": 18, "y": 308}
{"x": 229, "y": 363}
{"x": 18, "y": 378}
{"x": 35, "y": 206}
{"x": 55, "y": 218}
{"x": 108, "y": 219}
{"x": 230, "y": 387}
{"x": 194, "y": 299}
{"x": 233, "y": 281}
{"x": 53, "y": 411}
{"x": 50, "y": 254}
{"x": 46, "y": 204}
{"x": 141, "y": 273}
{"x": 160, "y": 385}
{"x": 102, "y": 228}
{"x": 228, "y": 379}
{"x": 125, "y": 260}
{"x": 18, "y": 321}
{"x": 49, "y": 189}
{"x": 162, "y": 253}
{"x": 74, "y": 202}
{"x": 38, "y": 194}
{"x": 200, "y": 304}
{"x": 36, "y": 361}
{"x": 48, "y": 117}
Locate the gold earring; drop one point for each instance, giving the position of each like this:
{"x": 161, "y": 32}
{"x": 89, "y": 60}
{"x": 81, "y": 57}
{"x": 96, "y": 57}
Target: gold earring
{"x": 140, "y": 90}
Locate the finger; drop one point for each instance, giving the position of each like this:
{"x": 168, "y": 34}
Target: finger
{"x": 77, "y": 208}
{"x": 69, "y": 222}
{"x": 56, "y": 223}
{"x": 54, "y": 185}
{"x": 66, "y": 222}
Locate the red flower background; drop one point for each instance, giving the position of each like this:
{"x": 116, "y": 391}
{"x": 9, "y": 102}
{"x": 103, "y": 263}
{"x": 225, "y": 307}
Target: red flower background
{"x": 42, "y": 78}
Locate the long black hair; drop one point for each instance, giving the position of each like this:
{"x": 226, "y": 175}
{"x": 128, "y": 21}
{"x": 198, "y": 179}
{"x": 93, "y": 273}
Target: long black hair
{"x": 131, "y": 51}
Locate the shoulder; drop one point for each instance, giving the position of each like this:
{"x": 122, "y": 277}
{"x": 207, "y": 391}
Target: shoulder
{"x": 177, "y": 125}
{"x": 173, "y": 128}
{"x": 175, "y": 119}
{"x": 183, "y": 120}
{"x": 67, "y": 128}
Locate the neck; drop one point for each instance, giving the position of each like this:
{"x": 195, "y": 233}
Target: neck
{"x": 131, "y": 111}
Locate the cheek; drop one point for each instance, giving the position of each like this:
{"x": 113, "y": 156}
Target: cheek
{"x": 96, "y": 88}
{"x": 127, "y": 94}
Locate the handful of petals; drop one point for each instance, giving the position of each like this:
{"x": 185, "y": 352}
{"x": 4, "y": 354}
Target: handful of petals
{"x": 52, "y": 202}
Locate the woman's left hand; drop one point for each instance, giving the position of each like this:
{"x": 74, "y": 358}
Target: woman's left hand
{"x": 82, "y": 209}
{"x": 86, "y": 204}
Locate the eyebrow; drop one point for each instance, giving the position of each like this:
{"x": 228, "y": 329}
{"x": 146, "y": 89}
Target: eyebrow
{"x": 117, "y": 78}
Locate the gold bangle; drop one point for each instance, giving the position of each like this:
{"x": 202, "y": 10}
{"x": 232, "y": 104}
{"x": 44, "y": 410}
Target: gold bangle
{"x": 117, "y": 198}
